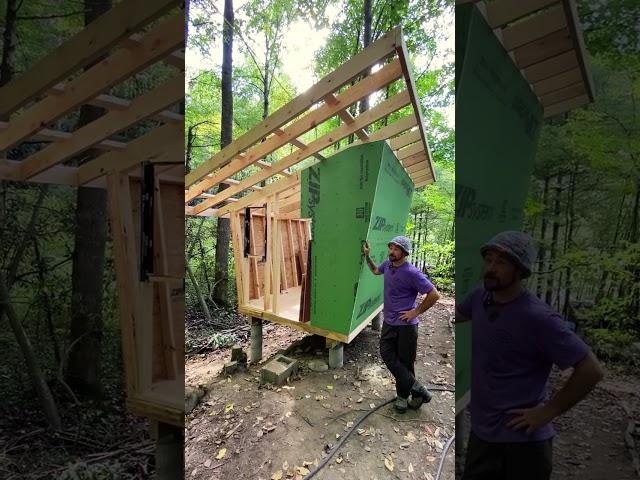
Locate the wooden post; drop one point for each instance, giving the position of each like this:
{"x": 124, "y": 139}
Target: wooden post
{"x": 275, "y": 251}
{"x": 267, "y": 264}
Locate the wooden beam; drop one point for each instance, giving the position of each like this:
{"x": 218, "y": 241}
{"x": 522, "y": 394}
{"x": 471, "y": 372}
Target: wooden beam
{"x": 254, "y": 198}
{"x": 556, "y": 82}
{"x": 113, "y": 122}
{"x": 122, "y": 64}
{"x": 376, "y": 52}
{"x": 366, "y": 118}
{"x": 383, "y": 77}
{"x": 417, "y": 167}
{"x": 578, "y": 42}
{"x": 415, "y": 159}
{"x": 562, "y": 107}
{"x": 534, "y": 28}
{"x": 403, "y": 55}
{"x": 501, "y": 12}
{"x": 166, "y": 141}
{"x": 543, "y": 48}
{"x": 563, "y": 94}
{"x": 404, "y": 140}
{"x": 551, "y": 67}
{"x": 83, "y": 48}
{"x": 345, "y": 116}
{"x": 410, "y": 151}
{"x": 110, "y": 102}
{"x": 49, "y": 135}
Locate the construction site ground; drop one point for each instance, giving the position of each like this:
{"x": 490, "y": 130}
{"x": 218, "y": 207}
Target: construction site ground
{"x": 243, "y": 430}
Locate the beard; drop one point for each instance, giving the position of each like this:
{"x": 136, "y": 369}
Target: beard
{"x": 493, "y": 283}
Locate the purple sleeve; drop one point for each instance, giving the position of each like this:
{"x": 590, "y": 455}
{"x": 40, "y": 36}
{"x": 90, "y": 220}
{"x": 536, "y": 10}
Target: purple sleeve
{"x": 421, "y": 283}
{"x": 383, "y": 266}
{"x": 559, "y": 344}
{"x": 466, "y": 306}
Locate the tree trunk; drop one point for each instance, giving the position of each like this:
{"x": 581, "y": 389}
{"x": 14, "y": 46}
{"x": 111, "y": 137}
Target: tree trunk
{"x": 569, "y": 238}
{"x": 6, "y": 282}
{"x": 84, "y": 362}
{"x": 543, "y": 235}
{"x": 196, "y": 287}
{"x": 8, "y": 42}
{"x": 366, "y": 40}
{"x": 551, "y": 284}
{"x": 223, "y": 234}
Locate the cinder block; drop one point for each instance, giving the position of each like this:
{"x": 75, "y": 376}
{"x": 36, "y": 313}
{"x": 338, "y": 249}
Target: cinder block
{"x": 278, "y": 370}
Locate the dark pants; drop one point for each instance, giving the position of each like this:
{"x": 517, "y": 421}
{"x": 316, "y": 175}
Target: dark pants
{"x": 398, "y": 347}
{"x": 507, "y": 461}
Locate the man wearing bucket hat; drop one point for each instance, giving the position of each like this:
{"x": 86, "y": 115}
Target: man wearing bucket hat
{"x": 516, "y": 338}
{"x": 399, "y": 337}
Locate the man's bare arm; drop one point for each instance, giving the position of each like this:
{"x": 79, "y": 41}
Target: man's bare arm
{"x": 372, "y": 266}
{"x": 432, "y": 297}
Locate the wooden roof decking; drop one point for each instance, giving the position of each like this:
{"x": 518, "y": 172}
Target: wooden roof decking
{"x": 57, "y": 86}
{"x": 325, "y": 100}
{"x": 545, "y": 42}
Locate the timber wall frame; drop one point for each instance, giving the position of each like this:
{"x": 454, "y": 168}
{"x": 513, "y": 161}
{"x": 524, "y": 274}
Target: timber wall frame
{"x": 323, "y": 101}
{"x": 127, "y": 39}
{"x": 545, "y": 42}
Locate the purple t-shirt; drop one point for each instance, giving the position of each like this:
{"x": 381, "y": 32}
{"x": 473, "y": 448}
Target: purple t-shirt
{"x": 401, "y": 287}
{"x": 514, "y": 346}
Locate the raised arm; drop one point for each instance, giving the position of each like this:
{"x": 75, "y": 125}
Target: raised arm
{"x": 372, "y": 266}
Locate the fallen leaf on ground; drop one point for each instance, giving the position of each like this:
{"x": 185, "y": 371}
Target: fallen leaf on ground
{"x": 359, "y": 400}
{"x": 410, "y": 437}
{"x": 431, "y": 459}
{"x": 228, "y": 407}
{"x": 372, "y": 405}
{"x": 388, "y": 462}
{"x": 207, "y": 463}
{"x": 329, "y": 387}
{"x": 277, "y": 475}
{"x": 303, "y": 470}
{"x": 221, "y": 454}
{"x": 285, "y": 466}
{"x": 410, "y": 468}
{"x": 396, "y": 429}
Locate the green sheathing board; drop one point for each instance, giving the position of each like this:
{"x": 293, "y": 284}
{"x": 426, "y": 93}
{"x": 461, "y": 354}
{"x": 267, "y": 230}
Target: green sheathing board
{"x": 360, "y": 193}
{"x": 497, "y": 122}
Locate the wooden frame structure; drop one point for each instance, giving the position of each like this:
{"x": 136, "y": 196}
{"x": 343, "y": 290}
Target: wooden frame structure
{"x": 124, "y": 41}
{"x": 543, "y": 39}
{"x": 372, "y": 70}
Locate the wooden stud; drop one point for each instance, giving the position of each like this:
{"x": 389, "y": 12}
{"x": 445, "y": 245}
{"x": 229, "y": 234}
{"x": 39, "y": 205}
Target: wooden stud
{"x": 283, "y": 262}
{"x": 240, "y": 269}
{"x": 167, "y": 319}
{"x": 275, "y": 251}
{"x": 163, "y": 39}
{"x": 269, "y": 252}
{"x": 83, "y": 48}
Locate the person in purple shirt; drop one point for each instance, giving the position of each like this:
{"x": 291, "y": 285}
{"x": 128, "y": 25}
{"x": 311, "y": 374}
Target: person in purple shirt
{"x": 515, "y": 340}
{"x": 399, "y": 337}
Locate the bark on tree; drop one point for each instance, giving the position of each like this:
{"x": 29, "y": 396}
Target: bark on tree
{"x": 551, "y": 284}
{"x": 84, "y": 363}
{"x": 366, "y": 41}
{"x": 543, "y": 238}
{"x": 223, "y": 234}
{"x": 9, "y": 42}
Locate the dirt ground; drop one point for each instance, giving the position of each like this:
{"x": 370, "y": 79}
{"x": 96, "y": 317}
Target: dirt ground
{"x": 590, "y": 444}
{"x": 241, "y": 430}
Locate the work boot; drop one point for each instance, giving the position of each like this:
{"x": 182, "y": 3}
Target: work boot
{"x": 419, "y": 395}
{"x": 400, "y": 405}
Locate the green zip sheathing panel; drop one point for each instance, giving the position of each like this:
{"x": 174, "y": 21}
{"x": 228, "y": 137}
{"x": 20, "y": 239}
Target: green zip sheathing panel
{"x": 360, "y": 193}
{"x": 497, "y": 122}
